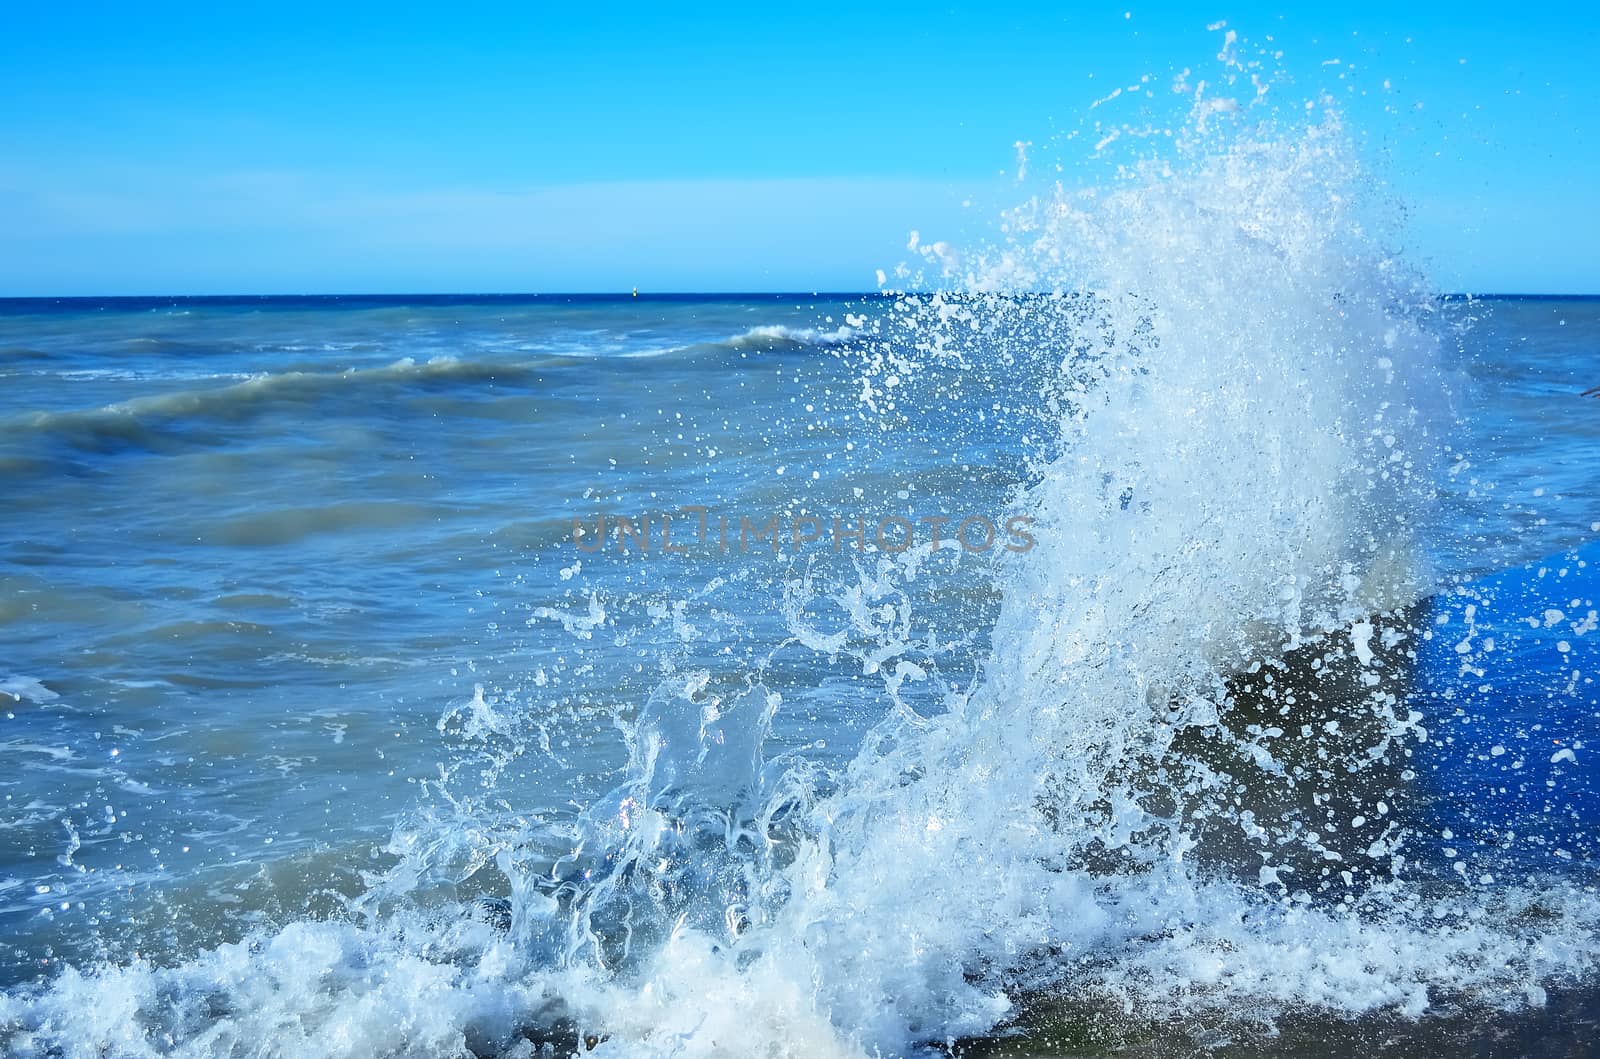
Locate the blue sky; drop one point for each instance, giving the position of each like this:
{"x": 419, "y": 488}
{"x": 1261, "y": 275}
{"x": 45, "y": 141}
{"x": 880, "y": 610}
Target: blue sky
{"x": 322, "y": 148}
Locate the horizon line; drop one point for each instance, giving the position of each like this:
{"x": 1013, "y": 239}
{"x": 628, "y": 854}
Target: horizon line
{"x": 637, "y": 295}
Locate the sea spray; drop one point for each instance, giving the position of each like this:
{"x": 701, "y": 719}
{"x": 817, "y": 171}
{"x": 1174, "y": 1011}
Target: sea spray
{"x": 1248, "y": 428}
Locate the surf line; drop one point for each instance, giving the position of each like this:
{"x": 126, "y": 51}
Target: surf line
{"x": 696, "y": 528}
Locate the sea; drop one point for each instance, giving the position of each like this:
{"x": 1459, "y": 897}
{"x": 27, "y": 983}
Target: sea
{"x": 1170, "y": 630}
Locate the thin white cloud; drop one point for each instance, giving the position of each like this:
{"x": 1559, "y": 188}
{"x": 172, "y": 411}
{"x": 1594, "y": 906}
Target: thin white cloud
{"x": 294, "y": 230}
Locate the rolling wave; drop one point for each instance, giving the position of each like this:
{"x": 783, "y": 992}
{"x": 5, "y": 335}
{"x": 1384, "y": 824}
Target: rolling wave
{"x": 141, "y": 420}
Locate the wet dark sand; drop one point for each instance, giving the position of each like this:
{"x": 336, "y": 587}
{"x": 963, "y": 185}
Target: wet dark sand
{"x": 1568, "y": 1025}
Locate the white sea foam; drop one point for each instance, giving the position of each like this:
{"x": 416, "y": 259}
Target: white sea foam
{"x": 762, "y": 337}
{"x": 21, "y": 688}
{"x": 807, "y": 336}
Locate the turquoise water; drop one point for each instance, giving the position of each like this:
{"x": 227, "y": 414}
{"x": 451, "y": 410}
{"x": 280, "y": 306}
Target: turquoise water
{"x": 324, "y": 735}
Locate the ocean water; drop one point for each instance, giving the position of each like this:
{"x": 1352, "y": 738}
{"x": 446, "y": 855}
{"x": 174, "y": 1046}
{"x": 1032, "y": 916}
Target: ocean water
{"x": 1245, "y": 703}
